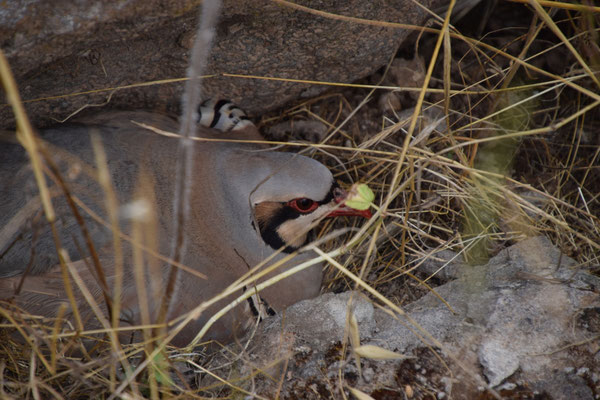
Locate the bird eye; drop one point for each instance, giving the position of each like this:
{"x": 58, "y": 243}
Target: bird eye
{"x": 303, "y": 205}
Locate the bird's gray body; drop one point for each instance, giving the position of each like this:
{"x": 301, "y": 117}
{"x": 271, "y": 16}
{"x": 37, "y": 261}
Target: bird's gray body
{"x": 222, "y": 242}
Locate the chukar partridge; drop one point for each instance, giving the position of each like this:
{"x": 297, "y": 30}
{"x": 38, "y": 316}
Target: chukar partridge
{"x": 245, "y": 204}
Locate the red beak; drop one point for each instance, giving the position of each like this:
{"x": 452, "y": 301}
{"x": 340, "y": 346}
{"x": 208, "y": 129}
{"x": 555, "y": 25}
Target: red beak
{"x": 340, "y": 195}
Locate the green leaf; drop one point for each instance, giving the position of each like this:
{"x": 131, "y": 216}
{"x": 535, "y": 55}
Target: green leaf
{"x": 360, "y": 198}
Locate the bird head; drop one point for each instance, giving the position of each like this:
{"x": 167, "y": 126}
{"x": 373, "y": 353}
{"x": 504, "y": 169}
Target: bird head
{"x": 286, "y": 224}
{"x": 291, "y": 193}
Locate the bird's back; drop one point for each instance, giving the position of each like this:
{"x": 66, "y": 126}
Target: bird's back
{"x": 130, "y": 151}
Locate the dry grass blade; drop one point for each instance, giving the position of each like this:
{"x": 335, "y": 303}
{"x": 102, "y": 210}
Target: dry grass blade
{"x": 378, "y": 353}
{"x": 359, "y": 394}
{"x": 544, "y": 15}
{"x": 190, "y": 101}
{"x": 563, "y": 5}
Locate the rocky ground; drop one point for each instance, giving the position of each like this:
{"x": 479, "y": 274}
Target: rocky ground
{"x": 524, "y": 326}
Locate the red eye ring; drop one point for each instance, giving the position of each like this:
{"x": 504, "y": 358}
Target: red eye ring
{"x": 303, "y": 205}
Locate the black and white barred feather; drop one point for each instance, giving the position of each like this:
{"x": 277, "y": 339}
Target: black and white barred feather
{"x": 222, "y": 115}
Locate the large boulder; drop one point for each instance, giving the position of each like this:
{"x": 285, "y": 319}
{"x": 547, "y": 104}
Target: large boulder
{"x": 64, "y": 47}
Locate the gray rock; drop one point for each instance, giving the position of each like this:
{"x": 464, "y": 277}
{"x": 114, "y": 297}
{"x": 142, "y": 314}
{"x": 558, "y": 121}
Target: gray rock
{"x": 445, "y": 264}
{"x": 498, "y": 361}
{"x": 65, "y": 47}
{"x": 515, "y": 316}
{"x": 562, "y": 386}
{"x": 326, "y": 318}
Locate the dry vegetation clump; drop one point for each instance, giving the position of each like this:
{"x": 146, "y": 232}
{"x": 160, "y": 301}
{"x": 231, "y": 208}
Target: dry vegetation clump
{"x": 505, "y": 146}
{"x": 516, "y": 156}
